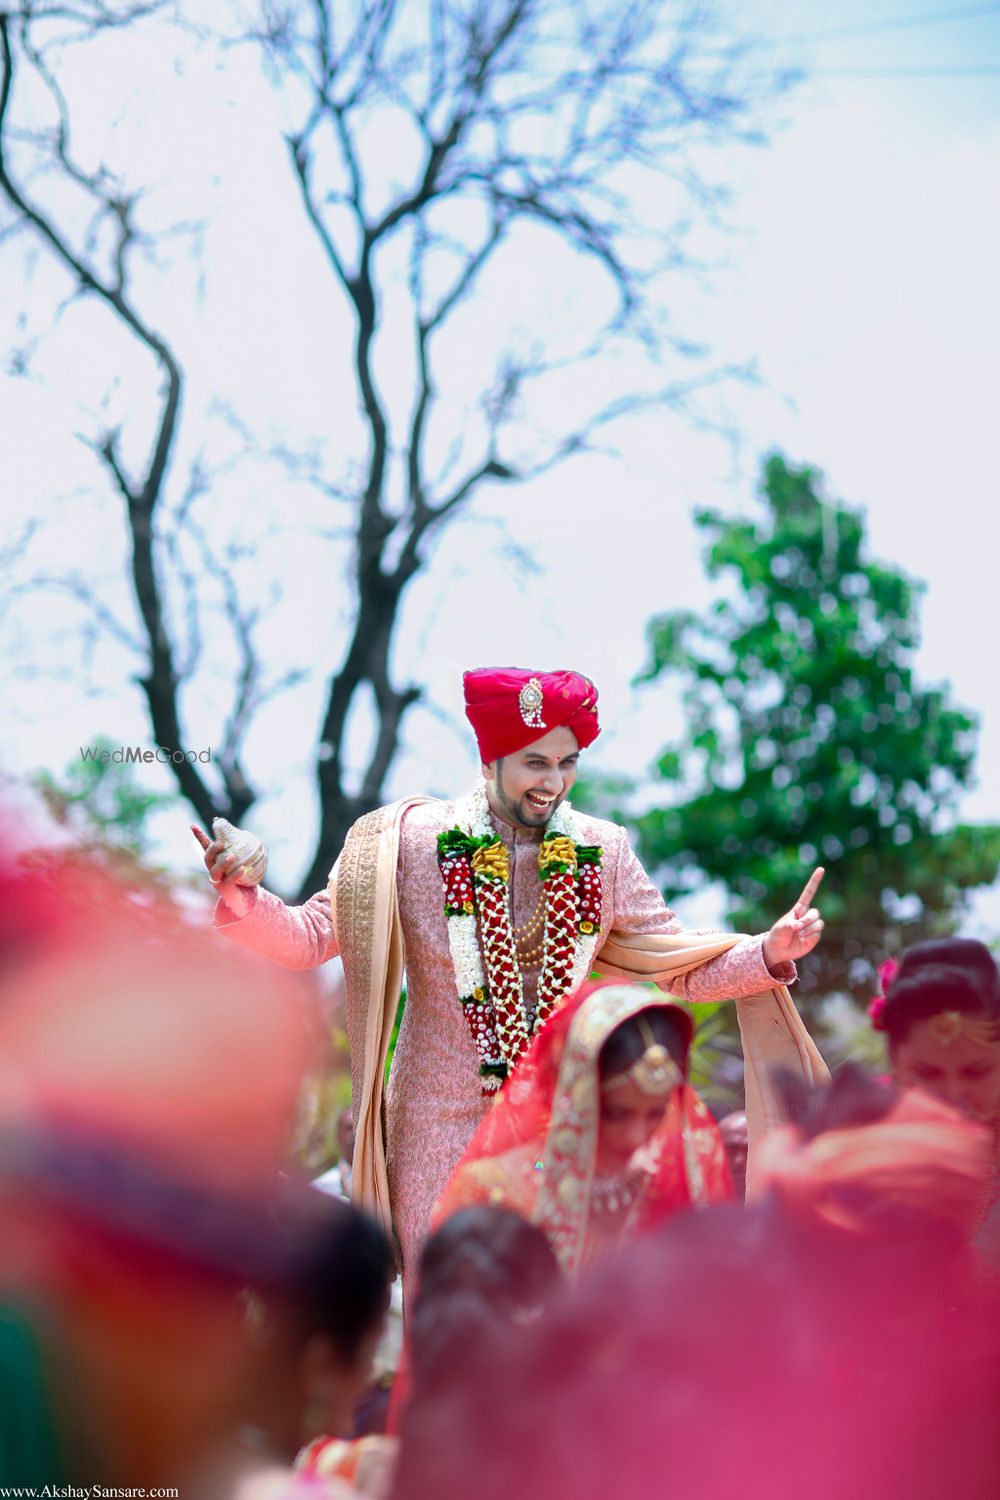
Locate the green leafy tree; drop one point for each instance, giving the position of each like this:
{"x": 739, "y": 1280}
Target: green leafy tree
{"x": 810, "y": 740}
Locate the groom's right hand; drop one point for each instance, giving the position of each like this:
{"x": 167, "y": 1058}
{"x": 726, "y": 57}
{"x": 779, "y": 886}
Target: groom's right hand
{"x": 234, "y": 872}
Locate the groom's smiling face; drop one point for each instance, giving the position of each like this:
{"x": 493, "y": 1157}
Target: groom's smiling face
{"x": 526, "y": 788}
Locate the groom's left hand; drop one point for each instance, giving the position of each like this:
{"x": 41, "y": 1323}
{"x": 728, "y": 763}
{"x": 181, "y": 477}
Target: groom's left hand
{"x": 799, "y": 930}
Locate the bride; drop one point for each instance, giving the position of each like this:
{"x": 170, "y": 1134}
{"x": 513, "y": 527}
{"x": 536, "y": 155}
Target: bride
{"x": 598, "y": 1136}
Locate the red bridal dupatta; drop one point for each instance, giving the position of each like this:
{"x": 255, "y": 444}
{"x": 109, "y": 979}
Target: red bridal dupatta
{"x": 535, "y": 1151}
{"x": 369, "y": 933}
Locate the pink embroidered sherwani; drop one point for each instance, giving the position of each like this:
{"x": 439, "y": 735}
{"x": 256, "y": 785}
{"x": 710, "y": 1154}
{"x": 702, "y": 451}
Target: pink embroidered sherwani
{"x": 434, "y": 1099}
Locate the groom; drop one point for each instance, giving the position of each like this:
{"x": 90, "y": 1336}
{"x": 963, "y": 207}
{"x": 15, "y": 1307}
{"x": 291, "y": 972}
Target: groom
{"x": 497, "y": 906}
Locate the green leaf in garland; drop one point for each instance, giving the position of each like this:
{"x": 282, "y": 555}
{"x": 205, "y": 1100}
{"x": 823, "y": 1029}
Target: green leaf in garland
{"x": 454, "y": 841}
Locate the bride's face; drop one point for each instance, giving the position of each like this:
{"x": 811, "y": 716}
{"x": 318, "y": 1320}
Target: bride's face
{"x": 629, "y": 1119}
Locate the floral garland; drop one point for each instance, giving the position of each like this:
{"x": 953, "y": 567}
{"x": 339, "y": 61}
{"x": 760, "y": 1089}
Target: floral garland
{"x": 475, "y": 871}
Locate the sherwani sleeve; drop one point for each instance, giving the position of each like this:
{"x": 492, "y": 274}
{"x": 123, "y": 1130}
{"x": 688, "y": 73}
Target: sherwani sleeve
{"x": 297, "y": 937}
{"x": 637, "y": 907}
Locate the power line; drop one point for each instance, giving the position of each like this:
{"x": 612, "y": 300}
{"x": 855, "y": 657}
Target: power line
{"x": 944, "y": 70}
{"x": 894, "y": 23}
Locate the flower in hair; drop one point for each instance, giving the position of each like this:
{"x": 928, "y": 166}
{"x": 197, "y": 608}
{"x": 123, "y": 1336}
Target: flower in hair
{"x": 887, "y": 972}
{"x": 876, "y": 1012}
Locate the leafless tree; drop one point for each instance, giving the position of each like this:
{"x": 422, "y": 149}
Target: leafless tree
{"x": 432, "y": 142}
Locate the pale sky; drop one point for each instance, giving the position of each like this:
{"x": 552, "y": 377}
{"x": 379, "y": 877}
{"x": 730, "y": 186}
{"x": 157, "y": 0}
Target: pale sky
{"x": 861, "y": 277}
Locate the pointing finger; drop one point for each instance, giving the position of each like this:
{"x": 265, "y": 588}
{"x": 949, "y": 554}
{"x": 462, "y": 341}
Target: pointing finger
{"x": 804, "y": 902}
{"x": 201, "y": 835}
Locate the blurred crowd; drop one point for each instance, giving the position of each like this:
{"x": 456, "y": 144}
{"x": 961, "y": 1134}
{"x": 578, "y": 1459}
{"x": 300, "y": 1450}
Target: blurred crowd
{"x": 613, "y": 1301}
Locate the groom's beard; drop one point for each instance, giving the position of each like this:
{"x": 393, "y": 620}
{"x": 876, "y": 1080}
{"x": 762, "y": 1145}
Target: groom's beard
{"x": 521, "y": 812}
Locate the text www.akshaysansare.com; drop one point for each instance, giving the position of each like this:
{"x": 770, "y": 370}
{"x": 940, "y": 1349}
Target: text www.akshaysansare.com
{"x": 135, "y": 755}
{"x": 88, "y": 1492}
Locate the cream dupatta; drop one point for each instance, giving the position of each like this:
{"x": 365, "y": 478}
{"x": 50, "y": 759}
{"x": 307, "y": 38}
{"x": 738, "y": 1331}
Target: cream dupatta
{"x": 366, "y": 922}
{"x": 369, "y": 933}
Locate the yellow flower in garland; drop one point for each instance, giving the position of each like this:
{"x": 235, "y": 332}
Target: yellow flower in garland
{"x": 556, "y": 850}
{"x": 492, "y": 861}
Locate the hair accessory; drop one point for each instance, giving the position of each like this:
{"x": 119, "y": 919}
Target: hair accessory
{"x": 876, "y": 1012}
{"x": 948, "y": 1025}
{"x": 887, "y": 971}
{"x": 655, "y": 1072}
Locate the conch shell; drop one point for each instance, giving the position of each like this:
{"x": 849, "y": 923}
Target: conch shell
{"x": 249, "y": 849}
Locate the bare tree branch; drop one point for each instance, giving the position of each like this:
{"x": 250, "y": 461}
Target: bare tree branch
{"x": 518, "y": 122}
{"x": 159, "y": 682}
{"x": 79, "y": 590}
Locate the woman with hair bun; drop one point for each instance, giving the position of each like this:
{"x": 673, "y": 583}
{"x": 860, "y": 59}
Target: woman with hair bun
{"x": 941, "y": 1016}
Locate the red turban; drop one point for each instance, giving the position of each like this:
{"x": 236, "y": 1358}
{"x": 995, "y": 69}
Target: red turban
{"x": 510, "y": 707}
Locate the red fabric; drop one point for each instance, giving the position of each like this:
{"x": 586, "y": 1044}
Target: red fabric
{"x": 493, "y": 707}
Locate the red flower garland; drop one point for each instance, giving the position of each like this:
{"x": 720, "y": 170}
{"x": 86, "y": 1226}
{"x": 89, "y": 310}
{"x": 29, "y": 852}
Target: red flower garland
{"x": 458, "y": 879}
{"x": 456, "y": 872}
{"x": 560, "y": 932}
{"x": 588, "y": 902}
{"x": 500, "y": 958}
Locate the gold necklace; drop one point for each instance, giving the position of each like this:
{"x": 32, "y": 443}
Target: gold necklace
{"x": 531, "y": 926}
{"x": 529, "y": 938}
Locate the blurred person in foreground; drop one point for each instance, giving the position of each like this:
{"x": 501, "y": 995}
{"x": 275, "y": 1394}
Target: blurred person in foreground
{"x": 599, "y": 1136}
{"x": 484, "y": 1273}
{"x": 499, "y": 904}
{"x": 314, "y": 1332}
{"x": 735, "y": 1138}
{"x": 148, "y": 1088}
{"x": 830, "y": 1339}
{"x": 940, "y": 1014}
{"x": 372, "y": 1411}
